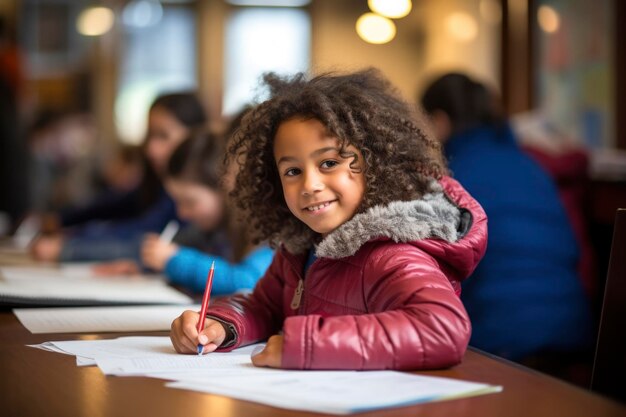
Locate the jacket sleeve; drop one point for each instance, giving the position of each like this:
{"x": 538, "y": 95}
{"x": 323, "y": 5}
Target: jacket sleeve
{"x": 190, "y": 267}
{"x": 254, "y": 316}
{"x": 415, "y": 321}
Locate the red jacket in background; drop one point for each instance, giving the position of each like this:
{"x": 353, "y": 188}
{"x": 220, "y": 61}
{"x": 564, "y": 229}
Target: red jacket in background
{"x": 569, "y": 169}
{"x": 383, "y": 293}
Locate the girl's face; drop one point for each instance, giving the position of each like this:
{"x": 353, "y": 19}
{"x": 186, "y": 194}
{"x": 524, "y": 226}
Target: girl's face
{"x": 165, "y": 133}
{"x": 320, "y": 187}
{"x": 196, "y": 203}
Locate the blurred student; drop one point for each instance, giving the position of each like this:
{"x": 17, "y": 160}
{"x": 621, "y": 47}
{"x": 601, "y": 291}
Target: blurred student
{"x": 104, "y": 230}
{"x": 121, "y": 178}
{"x": 193, "y": 180}
{"x": 63, "y": 159}
{"x": 525, "y": 298}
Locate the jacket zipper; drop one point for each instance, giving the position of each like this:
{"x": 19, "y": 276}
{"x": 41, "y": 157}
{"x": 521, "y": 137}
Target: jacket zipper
{"x": 296, "y": 300}
{"x": 297, "y": 296}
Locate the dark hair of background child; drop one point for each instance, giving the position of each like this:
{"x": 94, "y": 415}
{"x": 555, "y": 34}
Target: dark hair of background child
{"x": 360, "y": 109}
{"x": 198, "y": 159}
{"x": 467, "y": 103}
{"x": 188, "y": 110}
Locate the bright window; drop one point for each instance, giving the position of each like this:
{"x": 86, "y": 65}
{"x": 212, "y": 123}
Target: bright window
{"x": 157, "y": 59}
{"x": 259, "y": 40}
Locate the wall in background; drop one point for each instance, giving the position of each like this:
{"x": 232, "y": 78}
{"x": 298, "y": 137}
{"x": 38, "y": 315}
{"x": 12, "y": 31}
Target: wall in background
{"x": 574, "y": 71}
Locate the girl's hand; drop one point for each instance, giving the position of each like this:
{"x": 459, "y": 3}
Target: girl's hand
{"x": 121, "y": 267}
{"x": 186, "y": 339}
{"x": 47, "y": 248}
{"x": 272, "y": 355}
{"x": 155, "y": 253}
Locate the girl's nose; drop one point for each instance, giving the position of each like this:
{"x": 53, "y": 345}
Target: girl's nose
{"x": 312, "y": 184}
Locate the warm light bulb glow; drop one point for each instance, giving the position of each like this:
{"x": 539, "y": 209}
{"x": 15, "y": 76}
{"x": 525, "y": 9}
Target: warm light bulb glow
{"x": 269, "y": 3}
{"x": 394, "y": 9}
{"x": 548, "y": 18}
{"x": 461, "y": 26}
{"x": 375, "y": 29}
{"x": 95, "y": 21}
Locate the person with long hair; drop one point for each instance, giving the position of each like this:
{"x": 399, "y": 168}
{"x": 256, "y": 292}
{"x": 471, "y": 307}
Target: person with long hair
{"x": 110, "y": 228}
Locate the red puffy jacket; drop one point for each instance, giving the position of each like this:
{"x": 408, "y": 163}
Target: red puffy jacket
{"x": 383, "y": 293}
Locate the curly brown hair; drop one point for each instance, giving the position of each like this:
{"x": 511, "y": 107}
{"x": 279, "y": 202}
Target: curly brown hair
{"x": 361, "y": 109}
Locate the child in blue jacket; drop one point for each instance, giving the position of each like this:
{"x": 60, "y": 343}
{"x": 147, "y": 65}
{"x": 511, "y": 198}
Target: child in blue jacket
{"x": 192, "y": 178}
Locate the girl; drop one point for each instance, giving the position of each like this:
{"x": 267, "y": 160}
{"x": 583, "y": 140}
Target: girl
{"x": 111, "y": 227}
{"x": 192, "y": 178}
{"x": 374, "y": 238}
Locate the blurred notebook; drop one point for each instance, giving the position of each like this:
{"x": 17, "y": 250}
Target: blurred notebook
{"x": 76, "y": 286}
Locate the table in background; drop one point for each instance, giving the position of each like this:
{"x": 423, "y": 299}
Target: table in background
{"x": 38, "y": 383}
{"x": 10, "y": 255}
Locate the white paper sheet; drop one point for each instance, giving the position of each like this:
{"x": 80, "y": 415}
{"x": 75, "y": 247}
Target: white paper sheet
{"x": 82, "y": 361}
{"x": 100, "y": 319}
{"x": 50, "y": 290}
{"x": 336, "y": 392}
{"x": 232, "y": 374}
{"x": 69, "y": 271}
{"x": 131, "y": 347}
{"x": 122, "y": 347}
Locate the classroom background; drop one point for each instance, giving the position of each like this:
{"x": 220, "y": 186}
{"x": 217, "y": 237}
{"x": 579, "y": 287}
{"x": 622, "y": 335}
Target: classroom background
{"x": 77, "y": 79}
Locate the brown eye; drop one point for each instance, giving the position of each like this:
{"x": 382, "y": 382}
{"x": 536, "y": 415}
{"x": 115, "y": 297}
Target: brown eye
{"x": 292, "y": 172}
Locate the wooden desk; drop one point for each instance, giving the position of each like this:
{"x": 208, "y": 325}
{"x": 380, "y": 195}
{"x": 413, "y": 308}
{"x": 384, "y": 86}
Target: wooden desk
{"x": 42, "y": 384}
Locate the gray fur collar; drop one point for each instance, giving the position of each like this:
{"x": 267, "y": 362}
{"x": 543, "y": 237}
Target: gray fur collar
{"x": 434, "y": 215}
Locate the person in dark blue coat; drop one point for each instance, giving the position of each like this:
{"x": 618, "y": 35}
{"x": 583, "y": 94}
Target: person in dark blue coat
{"x": 525, "y": 298}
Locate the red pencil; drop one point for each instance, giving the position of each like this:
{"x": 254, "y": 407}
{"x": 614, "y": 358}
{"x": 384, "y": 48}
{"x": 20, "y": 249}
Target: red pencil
{"x": 205, "y": 303}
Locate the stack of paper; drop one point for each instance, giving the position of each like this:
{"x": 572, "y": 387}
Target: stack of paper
{"x": 73, "y": 285}
{"x": 232, "y": 374}
{"x": 100, "y": 319}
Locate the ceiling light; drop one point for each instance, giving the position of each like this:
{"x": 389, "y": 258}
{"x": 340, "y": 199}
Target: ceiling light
{"x": 375, "y": 29}
{"x": 548, "y": 18}
{"x": 95, "y": 21}
{"x": 394, "y": 9}
{"x": 269, "y": 3}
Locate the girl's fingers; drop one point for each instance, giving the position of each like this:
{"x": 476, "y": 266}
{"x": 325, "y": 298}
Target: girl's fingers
{"x": 185, "y": 337}
{"x": 212, "y": 336}
{"x": 209, "y": 348}
{"x": 260, "y": 358}
{"x": 184, "y": 334}
{"x": 214, "y": 332}
{"x": 271, "y": 355}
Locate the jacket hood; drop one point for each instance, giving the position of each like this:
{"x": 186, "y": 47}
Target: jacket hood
{"x": 446, "y": 222}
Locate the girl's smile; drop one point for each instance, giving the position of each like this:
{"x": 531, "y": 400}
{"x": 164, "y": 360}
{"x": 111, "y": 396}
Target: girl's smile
{"x": 319, "y": 207}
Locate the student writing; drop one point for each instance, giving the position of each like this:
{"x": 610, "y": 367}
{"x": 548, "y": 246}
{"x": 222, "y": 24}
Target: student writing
{"x": 112, "y": 226}
{"x": 193, "y": 179}
{"x": 374, "y": 238}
